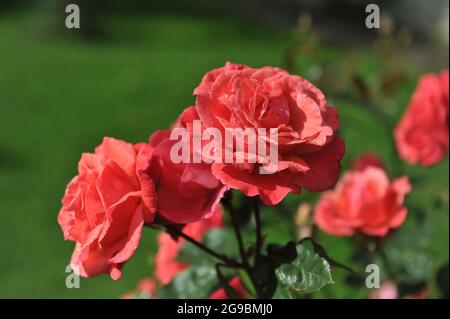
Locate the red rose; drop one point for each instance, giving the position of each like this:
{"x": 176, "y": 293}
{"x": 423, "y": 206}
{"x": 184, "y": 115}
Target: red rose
{"x": 365, "y": 201}
{"x": 236, "y": 284}
{"x": 186, "y": 193}
{"x": 166, "y": 264}
{"x": 103, "y": 209}
{"x": 422, "y": 134}
{"x": 308, "y": 149}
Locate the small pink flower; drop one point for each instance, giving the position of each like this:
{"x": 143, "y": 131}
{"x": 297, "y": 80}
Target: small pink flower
{"x": 363, "y": 201}
{"x": 388, "y": 290}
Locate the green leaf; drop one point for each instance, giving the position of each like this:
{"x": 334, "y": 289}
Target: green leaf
{"x": 318, "y": 249}
{"x": 193, "y": 283}
{"x": 307, "y": 273}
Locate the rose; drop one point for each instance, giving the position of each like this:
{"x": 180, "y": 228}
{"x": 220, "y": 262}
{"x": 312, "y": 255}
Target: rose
{"x": 236, "y": 284}
{"x": 421, "y": 135}
{"x": 309, "y": 151}
{"x": 166, "y": 264}
{"x": 364, "y": 201}
{"x": 104, "y": 209}
{"x": 186, "y": 193}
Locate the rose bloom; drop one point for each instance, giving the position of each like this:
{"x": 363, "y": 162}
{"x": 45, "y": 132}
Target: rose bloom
{"x": 236, "y": 284}
{"x": 104, "y": 209}
{"x": 422, "y": 134}
{"x": 363, "y": 201}
{"x": 166, "y": 264}
{"x": 186, "y": 192}
{"x": 309, "y": 151}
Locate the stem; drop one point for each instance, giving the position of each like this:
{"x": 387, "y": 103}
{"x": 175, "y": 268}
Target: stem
{"x": 229, "y": 291}
{"x": 237, "y": 230}
{"x": 225, "y": 259}
{"x": 258, "y": 224}
{"x": 314, "y": 232}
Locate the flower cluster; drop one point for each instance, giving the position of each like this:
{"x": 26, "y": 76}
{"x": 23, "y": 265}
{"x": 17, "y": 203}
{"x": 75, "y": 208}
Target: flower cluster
{"x": 122, "y": 187}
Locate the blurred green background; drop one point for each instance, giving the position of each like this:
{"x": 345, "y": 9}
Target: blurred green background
{"x": 130, "y": 70}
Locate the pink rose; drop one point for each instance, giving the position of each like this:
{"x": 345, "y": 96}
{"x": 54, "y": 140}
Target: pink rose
{"x": 387, "y": 290}
{"x": 422, "y": 134}
{"x": 309, "y": 151}
{"x": 104, "y": 209}
{"x": 186, "y": 193}
{"x": 166, "y": 264}
{"x": 364, "y": 201}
